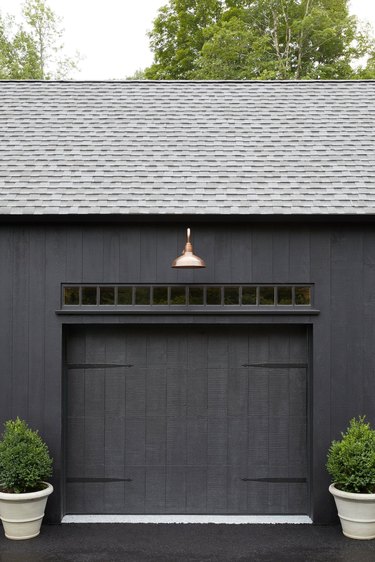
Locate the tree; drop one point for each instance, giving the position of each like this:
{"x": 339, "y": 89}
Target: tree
{"x": 270, "y": 39}
{"x": 178, "y": 37}
{"x": 139, "y": 74}
{"x": 33, "y": 49}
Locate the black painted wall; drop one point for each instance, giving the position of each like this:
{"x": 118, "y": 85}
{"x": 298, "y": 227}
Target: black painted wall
{"x": 338, "y": 258}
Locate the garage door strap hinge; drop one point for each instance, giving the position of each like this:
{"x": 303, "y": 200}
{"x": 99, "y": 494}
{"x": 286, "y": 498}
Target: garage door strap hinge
{"x": 91, "y": 480}
{"x": 277, "y": 365}
{"x": 98, "y": 365}
{"x": 276, "y": 480}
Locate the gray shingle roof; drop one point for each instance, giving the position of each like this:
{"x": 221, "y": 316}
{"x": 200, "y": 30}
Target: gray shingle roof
{"x": 187, "y": 147}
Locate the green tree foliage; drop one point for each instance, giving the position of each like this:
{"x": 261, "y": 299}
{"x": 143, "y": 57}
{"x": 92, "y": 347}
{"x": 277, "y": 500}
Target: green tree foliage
{"x": 33, "y": 48}
{"x": 24, "y": 459}
{"x": 138, "y": 75}
{"x": 351, "y": 461}
{"x": 259, "y": 39}
{"x": 179, "y": 35}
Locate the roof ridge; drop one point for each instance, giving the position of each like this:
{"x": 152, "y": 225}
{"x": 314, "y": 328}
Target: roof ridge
{"x": 271, "y": 82}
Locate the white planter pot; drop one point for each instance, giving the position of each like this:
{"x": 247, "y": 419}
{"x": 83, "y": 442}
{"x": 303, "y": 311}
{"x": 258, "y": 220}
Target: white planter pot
{"x": 356, "y": 512}
{"x": 22, "y": 514}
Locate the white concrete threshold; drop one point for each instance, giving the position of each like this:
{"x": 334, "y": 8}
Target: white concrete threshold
{"x": 218, "y": 519}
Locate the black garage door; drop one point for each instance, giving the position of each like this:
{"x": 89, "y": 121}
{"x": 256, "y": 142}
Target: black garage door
{"x": 195, "y": 420}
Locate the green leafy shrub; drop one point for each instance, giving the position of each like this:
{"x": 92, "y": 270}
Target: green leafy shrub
{"x": 351, "y": 461}
{"x": 24, "y": 459}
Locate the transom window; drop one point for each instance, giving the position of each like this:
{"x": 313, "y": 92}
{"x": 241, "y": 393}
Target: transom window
{"x": 186, "y": 295}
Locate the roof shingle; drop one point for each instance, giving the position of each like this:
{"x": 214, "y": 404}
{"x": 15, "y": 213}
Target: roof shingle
{"x": 187, "y": 147}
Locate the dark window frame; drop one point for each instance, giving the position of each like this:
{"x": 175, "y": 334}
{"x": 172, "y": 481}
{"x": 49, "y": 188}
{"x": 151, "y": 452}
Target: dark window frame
{"x": 187, "y": 306}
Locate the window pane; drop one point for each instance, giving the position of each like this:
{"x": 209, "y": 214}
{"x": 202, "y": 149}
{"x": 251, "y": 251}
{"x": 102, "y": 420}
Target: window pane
{"x": 71, "y": 295}
{"x": 213, "y": 295}
{"x": 266, "y": 295}
{"x": 160, "y": 295}
{"x": 196, "y": 295}
{"x": 302, "y": 295}
{"x": 284, "y": 295}
{"x": 142, "y": 295}
{"x": 178, "y": 295}
{"x": 107, "y": 295}
{"x": 249, "y": 295}
{"x": 124, "y": 295}
{"x": 88, "y": 295}
{"x": 231, "y": 295}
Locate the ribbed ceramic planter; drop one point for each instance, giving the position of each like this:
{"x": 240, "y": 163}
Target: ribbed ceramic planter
{"x": 22, "y": 514}
{"x": 356, "y": 512}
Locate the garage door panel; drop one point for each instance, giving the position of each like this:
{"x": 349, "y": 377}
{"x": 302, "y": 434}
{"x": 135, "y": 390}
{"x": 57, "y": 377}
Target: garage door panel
{"x": 297, "y": 498}
{"x": 94, "y": 392}
{"x": 175, "y": 491}
{"x": 196, "y": 490}
{"x": 75, "y": 392}
{"x": 94, "y": 447}
{"x": 155, "y": 489}
{"x": 237, "y": 441}
{"x": 257, "y": 393}
{"x": 95, "y": 347}
{"x": 156, "y": 428}
{"x": 297, "y": 440}
{"x": 217, "y": 441}
{"x": 217, "y": 403}
{"x": 196, "y": 420}
{"x": 115, "y": 392}
{"x": 135, "y": 441}
{"x": 196, "y": 432}
{"x": 176, "y": 393}
{"x": 237, "y": 392}
{"x": 237, "y": 491}
{"x": 136, "y": 392}
{"x": 297, "y": 392}
{"x": 197, "y": 392}
{"x": 114, "y": 448}
{"x": 75, "y": 458}
{"x": 156, "y": 390}
{"x": 136, "y": 349}
{"x": 94, "y": 497}
{"x": 76, "y": 350}
{"x": 278, "y": 498}
{"x": 278, "y": 439}
{"x": 177, "y": 351}
{"x": 217, "y": 351}
{"x": 197, "y": 350}
{"x": 75, "y": 498}
{"x": 176, "y": 441}
{"x": 217, "y": 479}
{"x": 278, "y": 392}
{"x": 258, "y": 447}
{"x": 114, "y": 494}
{"x": 238, "y": 351}
{"x": 134, "y": 501}
{"x": 257, "y": 498}
{"x": 156, "y": 349}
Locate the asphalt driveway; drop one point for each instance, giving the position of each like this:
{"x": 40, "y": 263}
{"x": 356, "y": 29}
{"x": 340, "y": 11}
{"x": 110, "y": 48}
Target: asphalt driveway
{"x": 187, "y": 543}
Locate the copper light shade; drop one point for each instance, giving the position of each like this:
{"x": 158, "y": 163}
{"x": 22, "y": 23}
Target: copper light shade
{"x": 188, "y": 259}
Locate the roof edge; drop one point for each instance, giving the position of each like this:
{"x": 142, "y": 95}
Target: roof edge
{"x": 114, "y": 81}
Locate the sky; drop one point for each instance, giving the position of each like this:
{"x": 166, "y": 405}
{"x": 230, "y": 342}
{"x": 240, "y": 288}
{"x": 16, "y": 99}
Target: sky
{"x": 111, "y": 35}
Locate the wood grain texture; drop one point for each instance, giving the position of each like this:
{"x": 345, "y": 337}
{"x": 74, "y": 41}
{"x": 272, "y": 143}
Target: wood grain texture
{"x": 337, "y": 258}
{"x": 184, "y": 420}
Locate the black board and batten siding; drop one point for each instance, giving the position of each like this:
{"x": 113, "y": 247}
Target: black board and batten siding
{"x": 338, "y": 259}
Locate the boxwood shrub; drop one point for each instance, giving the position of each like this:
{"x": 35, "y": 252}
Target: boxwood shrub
{"x": 24, "y": 459}
{"x": 351, "y": 461}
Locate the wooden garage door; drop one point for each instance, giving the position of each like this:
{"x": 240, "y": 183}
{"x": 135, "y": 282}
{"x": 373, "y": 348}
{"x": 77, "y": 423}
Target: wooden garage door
{"x": 196, "y": 420}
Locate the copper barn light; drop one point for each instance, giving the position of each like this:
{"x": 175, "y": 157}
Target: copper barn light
{"x": 188, "y": 259}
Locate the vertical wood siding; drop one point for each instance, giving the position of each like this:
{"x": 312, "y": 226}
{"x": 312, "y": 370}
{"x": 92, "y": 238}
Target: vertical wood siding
{"x": 338, "y": 259}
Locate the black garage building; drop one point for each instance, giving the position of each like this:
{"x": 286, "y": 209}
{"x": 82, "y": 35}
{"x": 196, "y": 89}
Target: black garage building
{"x": 213, "y": 391}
